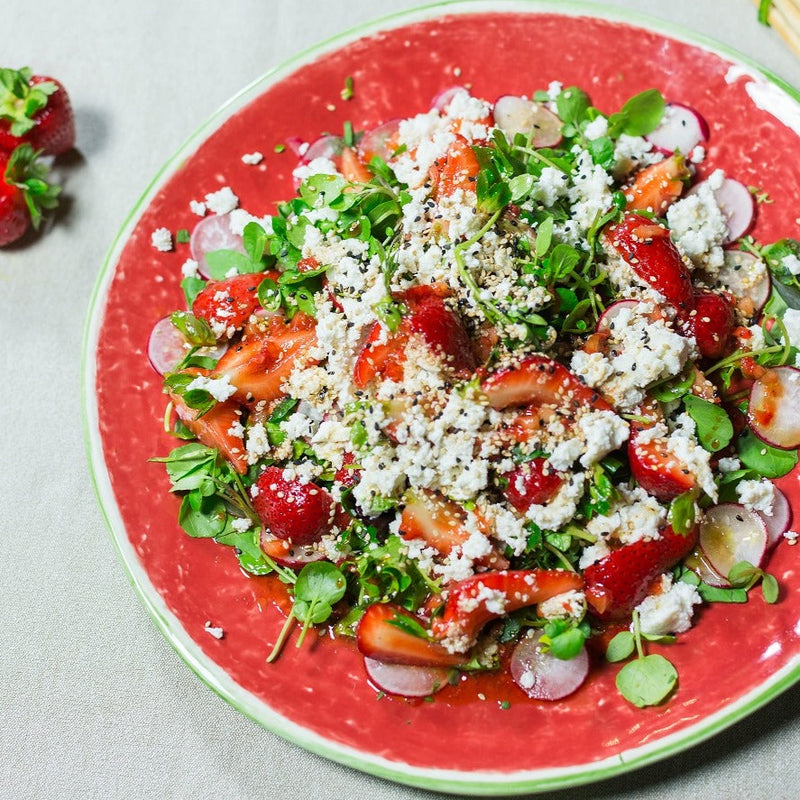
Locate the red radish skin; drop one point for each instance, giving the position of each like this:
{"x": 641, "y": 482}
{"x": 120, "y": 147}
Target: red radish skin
{"x": 329, "y": 147}
{"x": 772, "y": 411}
{"x": 213, "y": 233}
{"x": 406, "y": 680}
{"x": 779, "y": 521}
{"x": 541, "y": 675}
{"x": 730, "y": 533}
{"x": 681, "y": 129}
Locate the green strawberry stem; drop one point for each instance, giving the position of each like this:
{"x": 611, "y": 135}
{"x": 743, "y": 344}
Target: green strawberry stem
{"x": 29, "y": 175}
{"x": 19, "y": 101}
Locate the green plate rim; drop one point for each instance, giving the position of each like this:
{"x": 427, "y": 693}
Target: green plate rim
{"x": 450, "y": 781}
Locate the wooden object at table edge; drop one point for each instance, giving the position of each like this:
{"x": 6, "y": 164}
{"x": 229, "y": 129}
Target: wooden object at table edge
{"x": 784, "y": 17}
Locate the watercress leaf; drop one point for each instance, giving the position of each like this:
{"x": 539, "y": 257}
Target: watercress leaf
{"x": 714, "y": 426}
{"x": 682, "y": 513}
{"x": 640, "y": 115}
{"x": 269, "y": 294}
{"x": 544, "y": 237}
{"x": 321, "y": 190}
{"x": 568, "y": 644}
{"x": 621, "y": 647}
{"x": 743, "y": 574}
{"x": 222, "y": 262}
{"x": 320, "y": 581}
{"x": 673, "y": 389}
{"x": 520, "y": 186}
{"x": 254, "y": 239}
{"x": 191, "y": 288}
{"x": 195, "y": 330}
{"x": 713, "y": 594}
{"x": 768, "y": 461}
{"x": 647, "y": 681}
{"x": 602, "y": 151}
{"x": 202, "y": 517}
{"x": 572, "y": 106}
{"x": 770, "y": 588}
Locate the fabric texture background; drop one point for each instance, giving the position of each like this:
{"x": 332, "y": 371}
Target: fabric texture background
{"x": 94, "y": 703}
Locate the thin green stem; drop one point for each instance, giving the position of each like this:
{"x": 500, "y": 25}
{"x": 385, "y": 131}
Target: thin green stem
{"x": 287, "y": 626}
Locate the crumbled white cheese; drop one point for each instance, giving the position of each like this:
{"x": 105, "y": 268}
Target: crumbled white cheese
{"x": 189, "y": 268}
{"x": 222, "y": 201}
{"x": 198, "y": 207}
{"x": 253, "y": 158}
{"x": 757, "y": 495}
{"x": 161, "y": 239}
{"x": 219, "y": 388}
{"x": 669, "y": 611}
{"x": 698, "y": 226}
{"x": 634, "y": 515}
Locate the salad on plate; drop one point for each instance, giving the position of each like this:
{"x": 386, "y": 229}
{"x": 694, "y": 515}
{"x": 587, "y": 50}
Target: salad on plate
{"x": 503, "y": 387}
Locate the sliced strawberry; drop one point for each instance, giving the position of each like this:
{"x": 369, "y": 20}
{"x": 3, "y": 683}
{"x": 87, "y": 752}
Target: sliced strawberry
{"x": 228, "y": 304}
{"x": 259, "y": 364}
{"x": 291, "y": 510}
{"x": 347, "y": 476}
{"x": 655, "y": 469}
{"x": 538, "y": 380}
{"x": 648, "y": 249}
{"x": 457, "y": 169}
{"x": 444, "y": 333}
{"x": 711, "y": 322}
{"x": 377, "y": 637}
{"x": 351, "y": 167}
{"x": 24, "y": 193}
{"x": 471, "y": 603}
{"x": 440, "y": 328}
{"x": 382, "y": 355}
{"x": 532, "y": 483}
{"x": 37, "y": 110}
{"x": 657, "y": 186}
{"x": 214, "y": 428}
{"x": 616, "y": 584}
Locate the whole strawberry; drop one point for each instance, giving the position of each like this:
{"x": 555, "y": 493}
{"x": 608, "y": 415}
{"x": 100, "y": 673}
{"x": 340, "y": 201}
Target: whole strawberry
{"x": 292, "y": 510}
{"x": 24, "y": 193}
{"x": 37, "y": 110}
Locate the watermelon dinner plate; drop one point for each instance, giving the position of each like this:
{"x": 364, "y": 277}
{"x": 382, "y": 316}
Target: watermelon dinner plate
{"x": 488, "y": 739}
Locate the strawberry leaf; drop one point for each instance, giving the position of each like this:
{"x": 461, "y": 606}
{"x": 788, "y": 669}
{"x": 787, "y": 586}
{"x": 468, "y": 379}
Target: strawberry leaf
{"x": 20, "y": 101}
{"x": 28, "y": 174}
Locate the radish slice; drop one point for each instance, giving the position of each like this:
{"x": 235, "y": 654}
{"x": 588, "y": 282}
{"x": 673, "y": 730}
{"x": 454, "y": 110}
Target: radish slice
{"x": 746, "y": 278}
{"x": 773, "y": 409}
{"x": 295, "y": 144}
{"x": 698, "y": 563}
{"x": 442, "y": 99}
{"x": 293, "y": 556}
{"x": 406, "y": 680}
{"x": 730, "y": 533}
{"x": 541, "y": 675}
{"x": 779, "y": 521}
{"x": 329, "y": 147}
{"x": 682, "y": 128}
{"x": 166, "y": 346}
{"x": 611, "y": 313}
{"x": 515, "y": 115}
{"x": 213, "y": 233}
{"x": 380, "y": 141}
{"x": 736, "y": 203}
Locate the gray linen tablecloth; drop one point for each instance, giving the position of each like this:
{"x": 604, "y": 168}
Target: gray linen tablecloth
{"x": 93, "y": 701}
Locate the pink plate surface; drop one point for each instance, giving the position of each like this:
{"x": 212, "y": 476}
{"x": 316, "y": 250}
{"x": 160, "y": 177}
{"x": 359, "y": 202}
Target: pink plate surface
{"x": 322, "y": 688}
